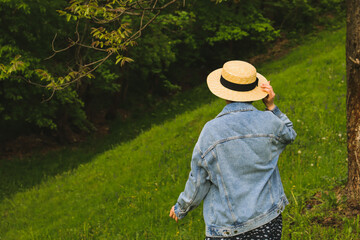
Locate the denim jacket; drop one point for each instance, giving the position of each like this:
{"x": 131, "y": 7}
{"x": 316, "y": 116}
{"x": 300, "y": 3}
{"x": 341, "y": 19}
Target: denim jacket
{"x": 234, "y": 170}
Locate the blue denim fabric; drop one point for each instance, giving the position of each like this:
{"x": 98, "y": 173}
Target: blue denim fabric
{"x": 234, "y": 170}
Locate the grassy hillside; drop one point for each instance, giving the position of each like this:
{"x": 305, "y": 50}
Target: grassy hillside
{"x": 126, "y": 192}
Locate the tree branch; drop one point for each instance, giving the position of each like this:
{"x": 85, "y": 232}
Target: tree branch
{"x": 101, "y": 61}
{"x": 356, "y": 62}
{"x": 153, "y": 7}
{"x": 51, "y": 96}
{"x": 158, "y": 8}
{"x": 92, "y": 47}
{"x": 134, "y": 37}
{"x": 68, "y": 47}
{"x": 114, "y": 42}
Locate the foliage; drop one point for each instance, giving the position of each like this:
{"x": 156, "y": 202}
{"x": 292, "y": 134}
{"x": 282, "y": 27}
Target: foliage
{"x": 241, "y": 29}
{"x": 115, "y": 25}
{"x": 110, "y": 28}
{"x": 21, "y": 49}
{"x": 233, "y": 21}
{"x": 128, "y": 190}
{"x": 74, "y": 54}
{"x": 302, "y": 16}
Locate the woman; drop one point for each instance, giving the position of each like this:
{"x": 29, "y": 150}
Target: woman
{"x": 234, "y": 163}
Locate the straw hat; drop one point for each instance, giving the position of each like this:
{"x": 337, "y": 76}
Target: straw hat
{"x": 237, "y": 81}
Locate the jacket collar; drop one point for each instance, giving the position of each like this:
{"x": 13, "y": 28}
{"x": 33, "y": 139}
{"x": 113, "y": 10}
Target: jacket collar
{"x": 236, "y": 107}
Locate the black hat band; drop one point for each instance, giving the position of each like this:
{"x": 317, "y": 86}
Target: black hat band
{"x": 239, "y": 87}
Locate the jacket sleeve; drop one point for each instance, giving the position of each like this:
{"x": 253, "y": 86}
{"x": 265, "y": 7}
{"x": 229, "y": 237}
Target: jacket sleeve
{"x": 196, "y": 188}
{"x": 287, "y": 133}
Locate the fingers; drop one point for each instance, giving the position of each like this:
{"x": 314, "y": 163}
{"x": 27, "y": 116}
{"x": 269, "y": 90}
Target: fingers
{"x": 266, "y": 87}
{"x": 172, "y": 214}
{"x": 269, "y": 99}
{"x": 174, "y": 217}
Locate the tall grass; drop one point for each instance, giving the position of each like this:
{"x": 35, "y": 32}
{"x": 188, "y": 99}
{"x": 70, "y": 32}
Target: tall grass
{"x": 127, "y": 191}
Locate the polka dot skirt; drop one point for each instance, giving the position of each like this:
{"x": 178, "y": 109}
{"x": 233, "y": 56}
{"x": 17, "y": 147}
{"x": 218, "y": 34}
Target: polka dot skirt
{"x": 269, "y": 231}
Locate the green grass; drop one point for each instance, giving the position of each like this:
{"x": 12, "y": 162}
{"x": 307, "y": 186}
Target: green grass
{"x": 123, "y": 188}
{"x": 22, "y": 173}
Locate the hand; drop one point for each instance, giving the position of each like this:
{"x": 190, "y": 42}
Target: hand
{"x": 269, "y": 99}
{"x": 172, "y": 214}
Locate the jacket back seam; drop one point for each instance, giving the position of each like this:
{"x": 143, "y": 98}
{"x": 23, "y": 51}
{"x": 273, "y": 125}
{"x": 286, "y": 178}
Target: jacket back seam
{"x": 235, "y": 138}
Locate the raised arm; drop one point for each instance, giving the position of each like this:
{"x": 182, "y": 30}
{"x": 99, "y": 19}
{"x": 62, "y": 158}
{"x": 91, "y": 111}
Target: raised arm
{"x": 287, "y": 134}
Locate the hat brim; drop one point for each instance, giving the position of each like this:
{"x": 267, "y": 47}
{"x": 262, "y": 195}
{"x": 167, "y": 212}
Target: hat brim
{"x": 213, "y": 82}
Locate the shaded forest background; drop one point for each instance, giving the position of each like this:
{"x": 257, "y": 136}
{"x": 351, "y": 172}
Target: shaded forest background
{"x": 174, "y": 53}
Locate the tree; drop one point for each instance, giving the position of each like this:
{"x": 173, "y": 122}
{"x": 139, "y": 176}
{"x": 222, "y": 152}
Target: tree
{"x": 104, "y": 30}
{"x": 353, "y": 99}
{"x": 172, "y": 40}
{"x": 115, "y": 25}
